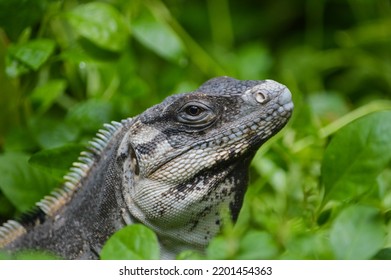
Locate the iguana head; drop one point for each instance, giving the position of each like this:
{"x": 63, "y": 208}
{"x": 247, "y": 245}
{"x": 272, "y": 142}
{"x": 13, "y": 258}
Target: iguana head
{"x": 189, "y": 155}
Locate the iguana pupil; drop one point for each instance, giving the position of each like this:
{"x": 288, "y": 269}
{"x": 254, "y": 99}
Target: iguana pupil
{"x": 193, "y": 110}
{"x": 173, "y": 168}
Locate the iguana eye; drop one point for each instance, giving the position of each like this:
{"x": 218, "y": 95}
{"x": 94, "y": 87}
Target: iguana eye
{"x": 193, "y": 110}
{"x": 196, "y": 114}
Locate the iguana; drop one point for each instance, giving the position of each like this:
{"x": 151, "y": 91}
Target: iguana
{"x": 172, "y": 168}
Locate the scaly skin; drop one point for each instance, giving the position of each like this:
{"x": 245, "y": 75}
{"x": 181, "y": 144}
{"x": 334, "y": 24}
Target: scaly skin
{"x": 173, "y": 168}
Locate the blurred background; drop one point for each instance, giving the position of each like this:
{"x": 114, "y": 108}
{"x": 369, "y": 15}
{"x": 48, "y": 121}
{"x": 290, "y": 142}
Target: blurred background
{"x": 67, "y": 67}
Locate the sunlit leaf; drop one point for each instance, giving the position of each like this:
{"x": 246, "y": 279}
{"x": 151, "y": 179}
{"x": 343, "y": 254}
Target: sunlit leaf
{"x": 28, "y": 56}
{"x": 157, "y": 36}
{"x": 134, "y": 242}
{"x": 100, "y": 23}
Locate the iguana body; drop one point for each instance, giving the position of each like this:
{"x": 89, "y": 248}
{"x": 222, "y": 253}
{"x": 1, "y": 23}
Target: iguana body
{"x": 173, "y": 168}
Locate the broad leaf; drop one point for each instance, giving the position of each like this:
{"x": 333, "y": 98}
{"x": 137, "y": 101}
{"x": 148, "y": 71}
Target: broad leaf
{"x": 134, "y": 242}
{"x": 91, "y": 114}
{"x": 357, "y": 233}
{"x": 28, "y": 56}
{"x": 101, "y": 24}
{"x": 257, "y": 245}
{"x": 356, "y": 156}
{"x": 157, "y": 36}
{"x": 21, "y": 183}
{"x": 57, "y": 161}
{"x": 51, "y": 133}
{"x": 221, "y": 248}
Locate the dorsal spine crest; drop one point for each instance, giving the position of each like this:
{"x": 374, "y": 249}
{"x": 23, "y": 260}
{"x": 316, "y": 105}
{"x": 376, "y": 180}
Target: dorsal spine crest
{"x": 51, "y": 203}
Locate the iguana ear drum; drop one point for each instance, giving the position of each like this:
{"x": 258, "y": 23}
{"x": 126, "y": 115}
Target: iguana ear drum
{"x": 134, "y": 163}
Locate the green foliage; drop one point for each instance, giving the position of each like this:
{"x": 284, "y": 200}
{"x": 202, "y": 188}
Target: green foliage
{"x": 321, "y": 189}
{"x": 356, "y": 156}
{"x": 56, "y": 161}
{"x": 100, "y": 23}
{"x": 351, "y": 231}
{"x": 157, "y": 36}
{"x": 252, "y": 245}
{"x": 28, "y": 56}
{"x": 23, "y": 184}
{"x": 28, "y": 255}
{"x": 134, "y": 242}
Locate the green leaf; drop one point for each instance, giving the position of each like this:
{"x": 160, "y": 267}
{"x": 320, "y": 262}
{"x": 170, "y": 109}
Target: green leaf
{"x": 355, "y": 157}
{"x": 17, "y": 15}
{"x": 221, "y": 248}
{"x": 383, "y": 254}
{"x": 100, "y": 23}
{"x": 57, "y": 161}
{"x": 384, "y": 182}
{"x": 310, "y": 245}
{"x": 257, "y": 245}
{"x": 19, "y": 139}
{"x": 134, "y": 242}
{"x": 157, "y": 36}
{"x": 21, "y": 183}
{"x": 45, "y": 95}
{"x": 28, "y": 56}
{"x": 91, "y": 114}
{"x": 357, "y": 233}
{"x": 28, "y": 255}
{"x": 35, "y": 255}
{"x": 190, "y": 255}
{"x": 52, "y": 133}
